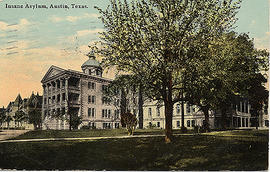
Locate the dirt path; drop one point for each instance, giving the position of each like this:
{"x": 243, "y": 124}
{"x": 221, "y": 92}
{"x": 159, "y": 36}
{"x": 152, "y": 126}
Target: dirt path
{"x": 7, "y": 134}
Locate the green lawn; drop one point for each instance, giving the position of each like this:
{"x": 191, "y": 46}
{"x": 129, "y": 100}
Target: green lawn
{"x": 198, "y": 152}
{"x": 88, "y": 133}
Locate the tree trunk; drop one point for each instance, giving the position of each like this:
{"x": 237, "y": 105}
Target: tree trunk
{"x": 223, "y": 118}
{"x": 168, "y": 110}
{"x": 206, "y": 118}
{"x": 182, "y": 112}
{"x": 123, "y": 106}
{"x": 140, "y": 107}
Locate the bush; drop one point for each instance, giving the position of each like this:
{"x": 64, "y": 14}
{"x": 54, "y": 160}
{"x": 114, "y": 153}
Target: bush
{"x": 87, "y": 127}
{"x": 184, "y": 129}
{"x": 197, "y": 129}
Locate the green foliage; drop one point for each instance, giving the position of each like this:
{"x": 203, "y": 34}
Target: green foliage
{"x": 155, "y": 40}
{"x": 2, "y": 117}
{"x": 74, "y": 121}
{"x": 34, "y": 117}
{"x": 227, "y": 68}
{"x": 20, "y": 116}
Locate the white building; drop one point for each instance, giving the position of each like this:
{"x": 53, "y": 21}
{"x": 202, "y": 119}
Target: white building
{"x": 237, "y": 117}
{"x": 81, "y": 93}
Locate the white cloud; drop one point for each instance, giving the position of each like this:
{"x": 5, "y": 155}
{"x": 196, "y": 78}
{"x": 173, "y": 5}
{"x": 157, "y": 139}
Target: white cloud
{"x": 88, "y": 32}
{"x": 262, "y": 42}
{"x": 56, "y": 19}
{"x": 21, "y": 25}
{"x": 74, "y": 18}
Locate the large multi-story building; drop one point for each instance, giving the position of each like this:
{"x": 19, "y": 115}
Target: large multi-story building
{"x": 238, "y": 116}
{"x": 80, "y": 93}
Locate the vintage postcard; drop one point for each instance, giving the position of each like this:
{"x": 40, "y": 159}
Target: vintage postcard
{"x": 134, "y": 85}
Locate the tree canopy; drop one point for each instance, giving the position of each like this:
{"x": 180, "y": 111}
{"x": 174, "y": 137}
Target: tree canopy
{"x": 154, "y": 39}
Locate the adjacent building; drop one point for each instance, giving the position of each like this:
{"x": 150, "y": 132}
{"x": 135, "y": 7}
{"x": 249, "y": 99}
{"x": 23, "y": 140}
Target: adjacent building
{"x": 80, "y": 93}
{"x": 24, "y": 105}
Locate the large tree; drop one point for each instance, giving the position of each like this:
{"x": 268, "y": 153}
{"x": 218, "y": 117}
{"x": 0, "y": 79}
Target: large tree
{"x": 229, "y": 68}
{"x": 152, "y": 39}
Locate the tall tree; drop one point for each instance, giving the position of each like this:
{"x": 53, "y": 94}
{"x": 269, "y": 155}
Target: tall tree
{"x": 19, "y": 117}
{"x": 227, "y": 69}
{"x": 2, "y": 117}
{"x": 152, "y": 38}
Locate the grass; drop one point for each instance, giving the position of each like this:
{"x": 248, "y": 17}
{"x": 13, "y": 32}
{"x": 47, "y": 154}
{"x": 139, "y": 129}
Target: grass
{"x": 197, "y": 152}
{"x": 40, "y": 134}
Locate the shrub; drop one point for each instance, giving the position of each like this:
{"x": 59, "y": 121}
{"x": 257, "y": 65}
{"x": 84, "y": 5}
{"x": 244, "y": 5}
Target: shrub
{"x": 184, "y": 129}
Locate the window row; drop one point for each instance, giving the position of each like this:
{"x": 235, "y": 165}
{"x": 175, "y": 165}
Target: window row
{"x": 92, "y": 99}
{"x": 189, "y": 109}
{"x": 107, "y": 125}
{"x": 91, "y": 85}
{"x": 106, "y": 113}
{"x": 55, "y": 99}
{"x": 91, "y": 112}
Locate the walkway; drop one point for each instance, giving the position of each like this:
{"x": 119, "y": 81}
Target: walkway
{"x": 6, "y": 134}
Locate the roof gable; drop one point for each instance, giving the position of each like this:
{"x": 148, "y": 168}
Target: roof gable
{"x": 53, "y": 70}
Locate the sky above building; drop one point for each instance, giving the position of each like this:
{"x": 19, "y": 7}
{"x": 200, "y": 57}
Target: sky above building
{"x": 34, "y": 39}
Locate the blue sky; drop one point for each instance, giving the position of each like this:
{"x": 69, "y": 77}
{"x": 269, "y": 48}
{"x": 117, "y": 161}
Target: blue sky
{"x": 33, "y": 40}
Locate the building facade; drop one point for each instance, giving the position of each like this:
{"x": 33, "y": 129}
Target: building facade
{"x": 80, "y": 93}
{"x": 23, "y": 105}
{"x": 238, "y": 116}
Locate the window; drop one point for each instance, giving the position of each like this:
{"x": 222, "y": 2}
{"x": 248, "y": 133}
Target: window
{"x": 158, "y": 111}
{"x": 89, "y": 85}
{"x": 149, "y": 112}
{"x": 93, "y": 99}
{"x": 178, "y": 108}
{"x": 266, "y": 123}
{"x": 103, "y": 113}
{"x": 93, "y": 112}
{"x": 89, "y": 99}
{"x": 45, "y": 101}
{"x": 188, "y": 123}
{"x": 178, "y": 124}
{"x": 193, "y": 123}
{"x": 109, "y": 113}
{"x": 158, "y": 124}
{"x": 64, "y": 96}
{"x": 89, "y": 112}
{"x": 103, "y": 88}
{"x": 116, "y": 125}
{"x": 116, "y": 113}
